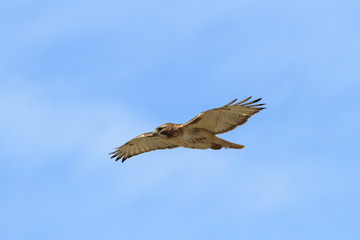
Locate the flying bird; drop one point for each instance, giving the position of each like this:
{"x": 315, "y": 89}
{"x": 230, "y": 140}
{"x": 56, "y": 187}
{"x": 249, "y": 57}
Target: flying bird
{"x": 199, "y": 133}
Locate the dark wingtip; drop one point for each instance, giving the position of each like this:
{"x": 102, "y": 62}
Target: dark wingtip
{"x": 256, "y": 100}
{"x": 258, "y": 105}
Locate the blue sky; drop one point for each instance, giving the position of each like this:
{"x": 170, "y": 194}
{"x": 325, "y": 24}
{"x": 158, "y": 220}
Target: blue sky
{"x": 78, "y": 78}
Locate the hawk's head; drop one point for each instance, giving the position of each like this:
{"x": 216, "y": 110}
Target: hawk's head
{"x": 166, "y": 129}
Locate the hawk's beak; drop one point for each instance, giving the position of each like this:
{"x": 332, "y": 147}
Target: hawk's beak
{"x": 155, "y": 132}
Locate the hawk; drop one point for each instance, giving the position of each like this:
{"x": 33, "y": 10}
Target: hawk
{"x": 199, "y": 133}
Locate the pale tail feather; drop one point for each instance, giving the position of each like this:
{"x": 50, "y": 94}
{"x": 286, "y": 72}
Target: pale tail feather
{"x": 227, "y": 144}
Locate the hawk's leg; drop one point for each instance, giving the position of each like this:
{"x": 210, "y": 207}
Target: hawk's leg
{"x": 215, "y": 146}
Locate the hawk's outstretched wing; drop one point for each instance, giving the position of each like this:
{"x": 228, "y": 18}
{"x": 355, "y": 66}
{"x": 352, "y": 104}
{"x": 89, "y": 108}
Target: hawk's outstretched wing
{"x": 226, "y": 118}
{"x": 144, "y": 143}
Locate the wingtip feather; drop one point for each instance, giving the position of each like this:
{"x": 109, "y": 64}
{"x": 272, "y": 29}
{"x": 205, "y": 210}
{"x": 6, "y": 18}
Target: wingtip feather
{"x": 246, "y": 99}
{"x": 231, "y": 102}
{"x": 255, "y": 101}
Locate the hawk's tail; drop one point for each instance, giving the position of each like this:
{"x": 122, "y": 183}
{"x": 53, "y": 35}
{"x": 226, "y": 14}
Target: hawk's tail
{"x": 227, "y": 144}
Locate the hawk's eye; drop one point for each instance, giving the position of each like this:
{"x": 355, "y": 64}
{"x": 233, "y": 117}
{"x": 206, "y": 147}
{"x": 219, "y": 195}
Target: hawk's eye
{"x": 159, "y": 129}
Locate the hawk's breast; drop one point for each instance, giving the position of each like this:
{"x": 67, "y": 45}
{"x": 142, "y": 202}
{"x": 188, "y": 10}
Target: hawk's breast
{"x": 197, "y": 140}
